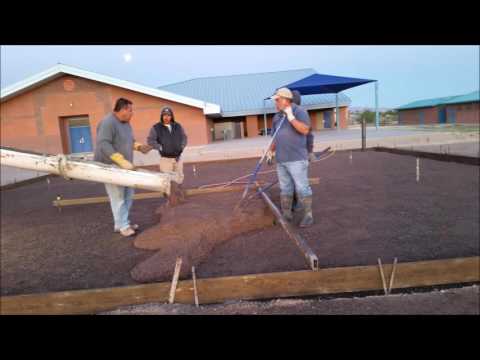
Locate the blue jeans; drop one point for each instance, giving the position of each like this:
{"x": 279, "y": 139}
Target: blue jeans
{"x": 121, "y": 199}
{"x": 293, "y": 176}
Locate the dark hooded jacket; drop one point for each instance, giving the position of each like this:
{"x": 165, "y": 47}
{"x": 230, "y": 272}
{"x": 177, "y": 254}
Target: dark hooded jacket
{"x": 297, "y": 99}
{"x": 169, "y": 144}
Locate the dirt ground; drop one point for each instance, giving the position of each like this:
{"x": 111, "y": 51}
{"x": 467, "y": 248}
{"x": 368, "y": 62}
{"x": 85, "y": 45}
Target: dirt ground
{"x": 456, "y": 301}
{"x": 365, "y": 207}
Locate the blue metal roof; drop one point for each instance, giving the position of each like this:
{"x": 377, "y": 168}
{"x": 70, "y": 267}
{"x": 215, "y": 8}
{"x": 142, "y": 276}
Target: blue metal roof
{"x": 470, "y": 97}
{"x": 240, "y": 95}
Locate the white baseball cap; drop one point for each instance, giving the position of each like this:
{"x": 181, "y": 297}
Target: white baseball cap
{"x": 282, "y": 92}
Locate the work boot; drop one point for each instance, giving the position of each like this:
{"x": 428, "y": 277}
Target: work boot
{"x": 127, "y": 232}
{"x": 286, "y": 204}
{"x": 296, "y": 206}
{"x": 307, "y": 208}
{"x": 180, "y": 193}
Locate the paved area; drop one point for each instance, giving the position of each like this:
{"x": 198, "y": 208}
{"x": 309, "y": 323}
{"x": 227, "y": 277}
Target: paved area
{"x": 460, "y": 301}
{"x": 340, "y": 140}
{"x": 395, "y": 136}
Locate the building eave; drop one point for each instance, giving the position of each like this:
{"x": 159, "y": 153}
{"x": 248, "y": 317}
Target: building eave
{"x": 60, "y": 70}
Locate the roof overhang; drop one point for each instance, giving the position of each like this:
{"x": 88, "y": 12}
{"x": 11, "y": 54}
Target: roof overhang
{"x": 61, "y": 70}
{"x": 272, "y": 110}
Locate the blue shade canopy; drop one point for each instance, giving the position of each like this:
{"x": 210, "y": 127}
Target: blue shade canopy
{"x": 325, "y": 84}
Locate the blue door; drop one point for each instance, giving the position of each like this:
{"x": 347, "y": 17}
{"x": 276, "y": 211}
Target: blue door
{"x": 80, "y": 139}
{"x": 442, "y": 116}
{"x": 451, "y": 116}
{"x": 327, "y": 119}
{"x": 421, "y": 118}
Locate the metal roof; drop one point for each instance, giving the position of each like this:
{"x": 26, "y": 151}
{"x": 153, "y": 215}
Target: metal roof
{"x": 470, "y": 97}
{"x": 61, "y": 69}
{"x": 240, "y": 95}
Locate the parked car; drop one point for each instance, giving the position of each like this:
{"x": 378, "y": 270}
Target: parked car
{"x": 262, "y": 131}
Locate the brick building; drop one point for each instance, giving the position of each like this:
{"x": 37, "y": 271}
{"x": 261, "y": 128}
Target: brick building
{"x": 57, "y": 111}
{"x": 460, "y": 109}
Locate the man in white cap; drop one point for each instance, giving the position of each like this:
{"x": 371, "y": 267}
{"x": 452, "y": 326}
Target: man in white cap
{"x": 290, "y": 147}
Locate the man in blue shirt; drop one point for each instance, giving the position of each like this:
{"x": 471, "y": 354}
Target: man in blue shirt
{"x": 290, "y": 146}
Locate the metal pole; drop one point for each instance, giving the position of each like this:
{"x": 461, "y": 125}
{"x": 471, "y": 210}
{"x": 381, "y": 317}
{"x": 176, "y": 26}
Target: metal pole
{"x": 264, "y": 118}
{"x": 364, "y": 134}
{"x": 377, "y": 115}
{"x": 337, "y": 113}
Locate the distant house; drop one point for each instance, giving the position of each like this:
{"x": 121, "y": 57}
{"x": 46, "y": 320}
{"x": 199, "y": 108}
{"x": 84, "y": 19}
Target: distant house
{"x": 58, "y": 110}
{"x": 241, "y": 99}
{"x": 460, "y": 109}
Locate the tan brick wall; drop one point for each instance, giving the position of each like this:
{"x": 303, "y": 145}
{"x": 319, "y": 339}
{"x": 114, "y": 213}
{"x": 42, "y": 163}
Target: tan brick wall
{"x": 252, "y": 125}
{"x": 32, "y": 121}
{"x": 412, "y": 116}
{"x": 466, "y": 113}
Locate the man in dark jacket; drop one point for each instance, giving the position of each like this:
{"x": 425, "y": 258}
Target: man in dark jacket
{"x": 297, "y": 99}
{"x": 169, "y": 138}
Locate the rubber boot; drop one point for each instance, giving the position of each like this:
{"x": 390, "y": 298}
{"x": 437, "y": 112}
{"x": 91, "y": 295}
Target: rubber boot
{"x": 307, "y": 207}
{"x": 296, "y": 206}
{"x": 286, "y": 204}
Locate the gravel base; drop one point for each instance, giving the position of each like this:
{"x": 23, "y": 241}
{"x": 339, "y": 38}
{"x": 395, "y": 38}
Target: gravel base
{"x": 456, "y": 301}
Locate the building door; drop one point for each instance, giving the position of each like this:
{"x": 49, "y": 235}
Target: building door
{"x": 80, "y": 135}
{"x": 442, "y": 115}
{"x": 421, "y": 118}
{"x": 451, "y": 116}
{"x": 327, "y": 119}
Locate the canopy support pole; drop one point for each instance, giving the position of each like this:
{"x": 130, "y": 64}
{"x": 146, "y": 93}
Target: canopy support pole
{"x": 337, "y": 113}
{"x": 265, "y": 118}
{"x": 377, "y": 115}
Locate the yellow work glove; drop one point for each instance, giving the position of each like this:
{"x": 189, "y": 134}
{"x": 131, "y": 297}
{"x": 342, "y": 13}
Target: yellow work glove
{"x": 121, "y": 161}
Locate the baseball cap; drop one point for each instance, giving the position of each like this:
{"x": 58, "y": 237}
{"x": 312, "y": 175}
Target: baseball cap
{"x": 167, "y": 110}
{"x": 282, "y": 92}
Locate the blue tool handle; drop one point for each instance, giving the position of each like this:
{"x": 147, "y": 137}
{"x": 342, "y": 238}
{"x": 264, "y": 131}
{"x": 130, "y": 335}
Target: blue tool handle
{"x": 259, "y": 164}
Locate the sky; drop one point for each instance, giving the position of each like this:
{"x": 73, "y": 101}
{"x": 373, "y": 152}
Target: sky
{"x": 405, "y": 73}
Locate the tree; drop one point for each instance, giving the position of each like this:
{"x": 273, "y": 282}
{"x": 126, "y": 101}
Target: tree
{"x": 368, "y": 115}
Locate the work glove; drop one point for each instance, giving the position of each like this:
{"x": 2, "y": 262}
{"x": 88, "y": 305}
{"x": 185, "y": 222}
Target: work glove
{"x": 289, "y": 112}
{"x": 122, "y": 162}
{"x": 312, "y": 157}
{"x": 141, "y": 147}
{"x": 270, "y": 157}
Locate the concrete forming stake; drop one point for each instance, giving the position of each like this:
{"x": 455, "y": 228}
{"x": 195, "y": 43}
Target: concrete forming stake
{"x": 392, "y": 276}
{"x": 176, "y": 274}
{"x": 312, "y": 259}
{"x": 418, "y": 170}
{"x": 384, "y": 283}
{"x": 195, "y": 293}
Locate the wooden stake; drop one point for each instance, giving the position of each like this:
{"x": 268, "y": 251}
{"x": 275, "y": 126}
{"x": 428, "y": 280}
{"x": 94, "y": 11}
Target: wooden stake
{"x": 195, "y": 293}
{"x": 384, "y": 283}
{"x": 176, "y": 274}
{"x": 392, "y": 275}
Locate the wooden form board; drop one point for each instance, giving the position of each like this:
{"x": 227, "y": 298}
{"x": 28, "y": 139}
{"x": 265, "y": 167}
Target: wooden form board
{"x": 249, "y": 287}
{"x": 152, "y": 195}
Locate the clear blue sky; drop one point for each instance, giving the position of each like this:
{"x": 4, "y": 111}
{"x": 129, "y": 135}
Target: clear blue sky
{"x": 405, "y": 73}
